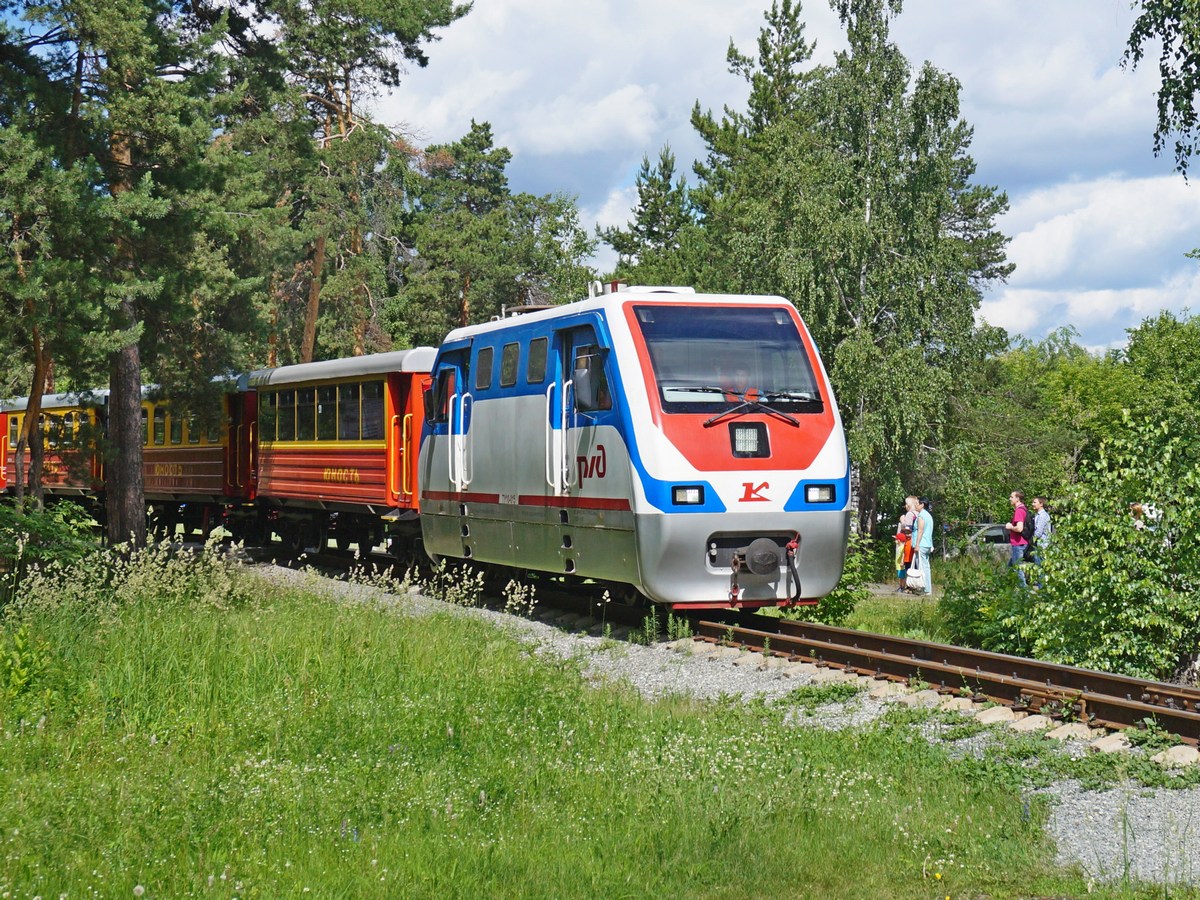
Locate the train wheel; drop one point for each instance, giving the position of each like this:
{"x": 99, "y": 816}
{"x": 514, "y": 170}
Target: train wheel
{"x": 291, "y": 534}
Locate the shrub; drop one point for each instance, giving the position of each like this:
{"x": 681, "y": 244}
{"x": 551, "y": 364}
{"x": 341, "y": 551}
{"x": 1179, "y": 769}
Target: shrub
{"x": 1114, "y": 597}
{"x": 983, "y": 605}
{"x": 61, "y": 534}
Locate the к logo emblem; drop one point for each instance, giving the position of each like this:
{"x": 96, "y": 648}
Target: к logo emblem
{"x": 753, "y": 492}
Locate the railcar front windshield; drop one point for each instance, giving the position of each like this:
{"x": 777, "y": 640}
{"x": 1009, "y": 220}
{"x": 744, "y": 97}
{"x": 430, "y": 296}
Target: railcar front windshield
{"x": 706, "y": 358}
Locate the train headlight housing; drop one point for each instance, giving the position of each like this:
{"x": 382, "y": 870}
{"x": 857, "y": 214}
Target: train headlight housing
{"x": 688, "y": 495}
{"x": 820, "y": 493}
{"x": 749, "y": 440}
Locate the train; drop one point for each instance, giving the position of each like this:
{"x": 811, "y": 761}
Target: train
{"x": 672, "y": 447}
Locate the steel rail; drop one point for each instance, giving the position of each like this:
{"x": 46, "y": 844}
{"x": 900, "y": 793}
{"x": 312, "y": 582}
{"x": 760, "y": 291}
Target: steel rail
{"x": 1098, "y": 698}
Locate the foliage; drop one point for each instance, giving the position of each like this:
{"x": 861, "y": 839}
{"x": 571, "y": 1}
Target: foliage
{"x": 1174, "y": 24}
{"x": 1011, "y": 426}
{"x": 460, "y": 584}
{"x": 471, "y": 247}
{"x": 650, "y": 250}
{"x": 983, "y": 605}
{"x": 810, "y": 696}
{"x": 63, "y": 534}
{"x": 1115, "y": 597}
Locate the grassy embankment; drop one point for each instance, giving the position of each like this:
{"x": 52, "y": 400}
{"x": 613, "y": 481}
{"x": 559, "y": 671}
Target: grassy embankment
{"x": 188, "y": 730}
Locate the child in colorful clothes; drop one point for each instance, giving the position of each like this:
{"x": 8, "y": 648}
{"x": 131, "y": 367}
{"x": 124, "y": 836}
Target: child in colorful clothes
{"x": 904, "y": 547}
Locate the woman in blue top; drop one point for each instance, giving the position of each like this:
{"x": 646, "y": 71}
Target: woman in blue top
{"x": 923, "y": 539}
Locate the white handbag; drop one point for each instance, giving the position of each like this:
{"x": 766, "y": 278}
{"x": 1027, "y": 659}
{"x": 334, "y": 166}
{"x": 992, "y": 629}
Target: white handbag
{"x": 915, "y": 578}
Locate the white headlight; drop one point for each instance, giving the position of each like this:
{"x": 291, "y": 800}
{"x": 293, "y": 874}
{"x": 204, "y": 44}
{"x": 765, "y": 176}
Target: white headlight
{"x": 819, "y": 493}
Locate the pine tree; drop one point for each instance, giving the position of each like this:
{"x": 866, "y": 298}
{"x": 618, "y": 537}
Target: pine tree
{"x": 650, "y": 251}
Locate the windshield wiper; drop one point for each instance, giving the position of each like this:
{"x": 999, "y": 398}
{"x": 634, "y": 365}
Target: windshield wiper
{"x": 750, "y": 406}
{"x": 697, "y": 389}
{"x": 809, "y": 396}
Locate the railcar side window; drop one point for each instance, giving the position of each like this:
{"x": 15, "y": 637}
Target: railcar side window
{"x": 14, "y": 429}
{"x": 193, "y": 430}
{"x": 483, "y": 374}
{"x": 306, "y": 414}
{"x": 372, "y": 410}
{"x": 509, "y": 363}
{"x": 348, "y": 412}
{"x": 327, "y": 423}
{"x": 160, "y": 426}
{"x": 176, "y": 428}
{"x": 267, "y": 406}
{"x": 591, "y": 384}
{"x": 145, "y": 427}
{"x": 285, "y": 413}
{"x": 535, "y": 373}
{"x": 445, "y": 390}
{"x": 214, "y": 432}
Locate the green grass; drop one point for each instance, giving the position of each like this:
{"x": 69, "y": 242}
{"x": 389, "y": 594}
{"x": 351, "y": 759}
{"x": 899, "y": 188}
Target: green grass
{"x": 266, "y": 743}
{"x": 902, "y": 615}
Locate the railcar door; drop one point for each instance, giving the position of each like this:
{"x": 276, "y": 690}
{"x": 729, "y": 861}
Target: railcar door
{"x": 452, "y": 401}
{"x": 581, "y": 391}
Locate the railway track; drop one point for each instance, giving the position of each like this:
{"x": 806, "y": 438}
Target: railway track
{"x": 1095, "y": 698}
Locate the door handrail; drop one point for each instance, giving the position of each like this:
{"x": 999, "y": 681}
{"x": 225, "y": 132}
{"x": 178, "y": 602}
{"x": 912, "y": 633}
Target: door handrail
{"x": 405, "y": 439}
{"x": 468, "y": 445}
{"x": 237, "y": 457}
{"x": 551, "y": 464}
{"x": 391, "y": 481}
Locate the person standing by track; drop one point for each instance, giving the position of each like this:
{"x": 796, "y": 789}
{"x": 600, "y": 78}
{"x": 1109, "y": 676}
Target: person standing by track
{"x": 1020, "y": 531}
{"x": 923, "y": 539}
{"x": 904, "y": 544}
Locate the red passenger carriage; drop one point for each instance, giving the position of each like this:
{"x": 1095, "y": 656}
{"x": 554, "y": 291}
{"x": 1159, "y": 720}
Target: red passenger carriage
{"x": 334, "y": 448}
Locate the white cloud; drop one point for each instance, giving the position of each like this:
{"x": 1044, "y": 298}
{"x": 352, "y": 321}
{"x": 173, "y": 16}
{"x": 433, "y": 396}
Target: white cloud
{"x": 573, "y": 124}
{"x": 617, "y": 209}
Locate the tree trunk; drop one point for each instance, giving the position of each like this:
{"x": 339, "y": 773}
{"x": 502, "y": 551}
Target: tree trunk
{"x": 464, "y": 303}
{"x": 125, "y": 496}
{"x": 125, "y": 488}
{"x": 314, "y": 301}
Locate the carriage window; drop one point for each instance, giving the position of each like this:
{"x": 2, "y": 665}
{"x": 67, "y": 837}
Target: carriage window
{"x": 536, "y": 371}
{"x": 14, "y": 429}
{"x": 306, "y": 414}
{"x": 348, "y": 410}
{"x": 509, "y": 363}
{"x": 160, "y": 426}
{"x": 145, "y": 427}
{"x": 285, "y": 416}
{"x": 176, "y": 428}
{"x": 483, "y": 374}
{"x": 267, "y": 407}
{"x": 193, "y": 431}
{"x": 372, "y": 411}
{"x": 214, "y": 433}
{"x": 327, "y": 422}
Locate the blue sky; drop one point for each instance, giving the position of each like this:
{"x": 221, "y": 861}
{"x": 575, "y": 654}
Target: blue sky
{"x": 580, "y": 90}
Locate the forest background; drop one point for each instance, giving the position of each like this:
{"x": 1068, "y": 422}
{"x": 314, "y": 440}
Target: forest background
{"x": 194, "y": 188}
